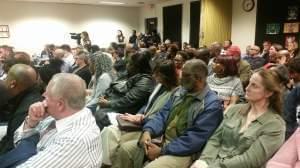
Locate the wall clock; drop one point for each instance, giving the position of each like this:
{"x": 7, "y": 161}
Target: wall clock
{"x": 248, "y": 5}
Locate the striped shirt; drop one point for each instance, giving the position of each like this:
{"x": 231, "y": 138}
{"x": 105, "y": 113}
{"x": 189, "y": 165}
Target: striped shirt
{"x": 74, "y": 142}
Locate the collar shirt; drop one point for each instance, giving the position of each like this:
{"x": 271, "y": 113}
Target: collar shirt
{"x": 73, "y": 142}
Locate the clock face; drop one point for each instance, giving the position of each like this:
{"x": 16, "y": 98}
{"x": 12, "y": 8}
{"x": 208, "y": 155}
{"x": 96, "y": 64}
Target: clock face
{"x": 248, "y": 5}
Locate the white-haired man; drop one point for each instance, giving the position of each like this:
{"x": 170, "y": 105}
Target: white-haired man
{"x": 69, "y": 136}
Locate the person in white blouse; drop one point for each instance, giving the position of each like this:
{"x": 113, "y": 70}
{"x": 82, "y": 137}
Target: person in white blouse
{"x": 69, "y": 136}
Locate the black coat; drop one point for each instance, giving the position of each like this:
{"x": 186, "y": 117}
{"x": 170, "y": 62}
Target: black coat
{"x": 85, "y": 74}
{"x": 18, "y": 110}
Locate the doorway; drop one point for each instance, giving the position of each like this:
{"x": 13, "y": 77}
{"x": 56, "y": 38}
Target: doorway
{"x": 195, "y": 10}
{"x": 172, "y": 23}
{"x": 150, "y": 24}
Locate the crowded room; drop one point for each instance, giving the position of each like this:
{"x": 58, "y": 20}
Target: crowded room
{"x": 149, "y": 84}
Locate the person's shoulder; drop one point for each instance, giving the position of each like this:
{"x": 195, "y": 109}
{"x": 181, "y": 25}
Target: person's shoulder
{"x": 243, "y": 62}
{"x": 236, "y": 109}
{"x": 211, "y": 100}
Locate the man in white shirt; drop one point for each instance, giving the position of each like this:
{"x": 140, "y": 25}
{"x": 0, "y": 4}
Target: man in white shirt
{"x": 69, "y": 136}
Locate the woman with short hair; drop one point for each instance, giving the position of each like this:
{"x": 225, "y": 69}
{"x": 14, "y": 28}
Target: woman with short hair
{"x": 224, "y": 80}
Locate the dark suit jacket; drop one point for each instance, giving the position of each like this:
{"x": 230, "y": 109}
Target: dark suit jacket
{"x": 18, "y": 109}
{"x": 85, "y": 74}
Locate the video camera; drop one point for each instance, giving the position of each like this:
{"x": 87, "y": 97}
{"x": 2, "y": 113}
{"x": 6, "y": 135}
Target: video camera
{"x": 76, "y": 36}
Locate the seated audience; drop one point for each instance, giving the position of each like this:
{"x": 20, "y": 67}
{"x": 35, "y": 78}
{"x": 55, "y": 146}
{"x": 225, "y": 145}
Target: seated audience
{"x": 82, "y": 67}
{"x": 162, "y": 53}
{"x": 113, "y": 136}
{"x": 22, "y": 92}
{"x": 224, "y": 80}
{"x": 172, "y": 51}
{"x": 22, "y": 58}
{"x": 155, "y": 59}
{"x": 283, "y": 78}
{"x": 68, "y": 134}
{"x": 293, "y": 98}
{"x": 48, "y": 51}
{"x": 101, "y": 68}
{"x": 48, "y": 70}
{"x": 179, "y": 60}
{"x": 186, "y": 121}
{"x": 202, "y": 54}
{"x": 250, "y": 133}
{"x": 273, "y": 51}
{"x": 283, "y": 57}
{"x": 265, "y": 52}
{"x": 119, "y": 63}
{"x": 254, "y": 58}
{"x": 227, "y": 44}
{"x": 6, "y": 52}
{"x": 214, "y": 51}
{"x": 127, "y": 95}
{"x": 244, "y": 68}
{"x": 58, "y": 56}
{"x": 68, "y": 57}
{"x": 17, "y": 58}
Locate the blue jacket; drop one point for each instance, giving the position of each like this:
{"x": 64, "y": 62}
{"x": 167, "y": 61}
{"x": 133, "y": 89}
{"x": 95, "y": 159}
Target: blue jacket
{"x": 289, "y": 112}
{"x": 205, "y": 115}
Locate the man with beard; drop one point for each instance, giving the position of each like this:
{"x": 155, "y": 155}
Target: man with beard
{"x": 186, "y": 122}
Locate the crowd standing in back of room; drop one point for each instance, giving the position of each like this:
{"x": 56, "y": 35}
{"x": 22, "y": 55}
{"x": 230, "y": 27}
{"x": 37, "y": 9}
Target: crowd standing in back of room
{"x": 142, "y": 102}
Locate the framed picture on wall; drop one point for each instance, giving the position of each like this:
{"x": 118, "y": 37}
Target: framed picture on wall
{"x": 273, "y": 28}
{"x": 4, "y": 31}
{"x": 293, "y": 12}
{"x": 291, "y": 27}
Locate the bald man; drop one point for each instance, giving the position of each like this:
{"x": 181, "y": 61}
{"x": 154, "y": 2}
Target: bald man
{"x": 69, "y": 135}
{"x": 59, "y": 55}
{"x": 22, "y": 92}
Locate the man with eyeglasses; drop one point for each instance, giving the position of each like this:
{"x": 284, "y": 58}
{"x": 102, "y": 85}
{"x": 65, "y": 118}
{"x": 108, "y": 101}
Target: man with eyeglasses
{"x": 254, "y": 58}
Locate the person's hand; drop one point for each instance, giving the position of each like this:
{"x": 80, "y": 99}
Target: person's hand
{"x": 153, "y": 151}
{"x": 36, "y": 113}
{"x": 144, "y": 140}
{"x": 103, "y": 102}
{"x": 137, "y": 119}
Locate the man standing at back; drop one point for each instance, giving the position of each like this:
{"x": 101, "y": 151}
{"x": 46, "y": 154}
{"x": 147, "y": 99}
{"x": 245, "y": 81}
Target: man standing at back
{"x": 69, "y": 136}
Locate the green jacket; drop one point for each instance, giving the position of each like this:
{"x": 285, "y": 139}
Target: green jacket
{"x": 230, "y": 148}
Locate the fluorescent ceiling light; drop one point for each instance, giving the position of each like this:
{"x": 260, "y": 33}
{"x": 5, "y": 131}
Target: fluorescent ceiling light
{"x": 112, "y": 3}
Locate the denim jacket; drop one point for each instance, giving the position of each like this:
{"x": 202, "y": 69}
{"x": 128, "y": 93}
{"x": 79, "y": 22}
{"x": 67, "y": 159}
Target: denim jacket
{"x": 204, "y": 116}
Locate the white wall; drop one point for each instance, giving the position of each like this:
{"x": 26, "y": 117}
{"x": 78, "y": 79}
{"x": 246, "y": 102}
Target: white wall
{"x": 243, "y": 25}
{"x": 34, "y": 24}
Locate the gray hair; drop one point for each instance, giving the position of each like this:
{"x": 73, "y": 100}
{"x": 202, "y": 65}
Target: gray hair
{"x": 198, "y": 68}
{"x": 70, "y": 88}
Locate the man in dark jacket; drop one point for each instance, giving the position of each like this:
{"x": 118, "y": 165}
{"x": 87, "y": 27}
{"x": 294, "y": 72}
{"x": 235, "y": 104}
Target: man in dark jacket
{"x": 186, "y": 122}
{"x": 292, "y": 104}
{"x": 21, "y": 86}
